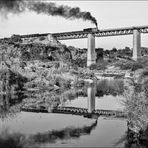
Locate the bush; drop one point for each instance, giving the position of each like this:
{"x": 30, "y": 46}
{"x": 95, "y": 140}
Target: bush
{"x": 42, "y": 38}
{"x": 85, "y": 74}
{"x": 129, "y": 65}
{"x": 93, "y": 66}
{"x": 12, "y": 79}
{"x": 144, "y": 73}
{"x": 79, "y": 83}
{"x": 79, "y": 62}
{"x": 61, "y": 82}
{"x": 100, "y": 65}
{"x": 136, "y": 66}
{"x": 143, "y": 61}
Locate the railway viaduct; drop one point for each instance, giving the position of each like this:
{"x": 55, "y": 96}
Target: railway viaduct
{"x": 91, "y": 33}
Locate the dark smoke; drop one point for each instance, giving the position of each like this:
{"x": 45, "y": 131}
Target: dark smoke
{"x": 18, "y": 6}
{"x": 64, "y": 11}
{"x": 12, "y": 6}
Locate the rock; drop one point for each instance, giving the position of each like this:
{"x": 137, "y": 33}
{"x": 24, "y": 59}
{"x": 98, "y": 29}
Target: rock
{"x": 56, "y": 87}
{"x": 127, "y": 75}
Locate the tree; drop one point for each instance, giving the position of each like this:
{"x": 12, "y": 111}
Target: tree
{"x": 114, "y": 49}
{"x": 99, "y": 53}
{"x": 106, "y": 52}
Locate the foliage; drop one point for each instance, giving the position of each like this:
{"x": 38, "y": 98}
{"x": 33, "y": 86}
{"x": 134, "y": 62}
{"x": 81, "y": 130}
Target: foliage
{"x": 136, "y": 66}
{"x": 61, "y": 82}
{"x": 143, "y": 61}
{"x": 12, "y": 80}
{"x": 80, "y": 60}
{"x": 136, "y": 104}
{"x": 129, "y": 65}
{"x": 145, "y": 73}
{"x": 85, "y": 73}
{"x": 42, "y": 38}
{"x": 15, "y": 39}
{"x": 46, "y": 78}
{"x": 126, "y": 52}
{"x": 132, "y": 65}
{"x": 79, "y": 83}
{"x": 100, "y": 65}
{"x": 99, "y": 53}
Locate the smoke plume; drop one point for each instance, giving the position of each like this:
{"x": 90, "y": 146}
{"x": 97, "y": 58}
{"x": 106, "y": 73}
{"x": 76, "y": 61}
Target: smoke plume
{"x": 12, "y": 6}
{"x": 48, "y": 8}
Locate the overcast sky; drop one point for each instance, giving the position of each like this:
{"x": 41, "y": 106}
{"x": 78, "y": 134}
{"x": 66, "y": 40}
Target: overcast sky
{"x": 109, "y": 14}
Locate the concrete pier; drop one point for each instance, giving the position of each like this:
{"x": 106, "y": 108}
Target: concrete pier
{"x": 91, "y": 55}
{"x": 91, "y": 98}
{"x": 136, "y": 44}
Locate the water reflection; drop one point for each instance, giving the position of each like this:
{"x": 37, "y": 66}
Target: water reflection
{"x": 109, "y": 87}
{"x": 91, "y": 98}
{"x": 92, "y": 101}
{"x": 21, "y": 140}
{"x": 32, "y": 129}
{"x": 10, "y": 104}
{"x": 90, "y": 111}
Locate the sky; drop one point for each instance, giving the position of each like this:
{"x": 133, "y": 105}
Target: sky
{"x": 109, "y": 14}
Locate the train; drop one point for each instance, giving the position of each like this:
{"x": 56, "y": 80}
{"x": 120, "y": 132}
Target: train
{"x": 91, "y": 30}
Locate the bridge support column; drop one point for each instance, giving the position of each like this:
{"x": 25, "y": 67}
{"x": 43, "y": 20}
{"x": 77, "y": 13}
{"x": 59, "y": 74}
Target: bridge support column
{"x": 91, "y": 55}
{"x": 136, "y": 44}
{"x": 91, "y": 98}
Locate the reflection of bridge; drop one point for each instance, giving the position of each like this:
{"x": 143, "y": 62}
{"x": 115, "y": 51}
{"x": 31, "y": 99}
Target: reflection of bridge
{"x": 89, "y": 112}
{"x": 77, "y": 111}
{"x": 91, "y": 57}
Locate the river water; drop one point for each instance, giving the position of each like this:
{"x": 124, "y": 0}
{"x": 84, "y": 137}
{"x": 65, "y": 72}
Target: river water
{"x": 53, "y": 129}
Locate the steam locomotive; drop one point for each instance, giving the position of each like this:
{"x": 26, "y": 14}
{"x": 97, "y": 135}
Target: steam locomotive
{"x": 91, "y": 30}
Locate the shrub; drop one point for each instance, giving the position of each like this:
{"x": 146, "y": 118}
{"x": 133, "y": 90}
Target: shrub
{"x": 136, "y": 66}
{"x": 79, "y": 83}
{"x": 85, "y": 73}
{"x": 129, "y": 65}
{"x": 79, "y": 62}
{"x": 144, "y": 73}
{"x": 42, "y": 38}
{"x": 100, "y": 65}
{"x": 93, "y": 66}
{"x": 61, "y": 82}
{"x": 143, "y": 61}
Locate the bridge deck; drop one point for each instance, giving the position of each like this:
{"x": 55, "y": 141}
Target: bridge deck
{"x": 83, "y": 34}
{"x": 99, "y": 33}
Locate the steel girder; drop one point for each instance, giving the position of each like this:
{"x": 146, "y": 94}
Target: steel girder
{"x": 99, "y": 33}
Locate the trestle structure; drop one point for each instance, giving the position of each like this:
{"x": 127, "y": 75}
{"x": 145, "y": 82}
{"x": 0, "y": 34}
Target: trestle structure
{"x": 98, "y": 33}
